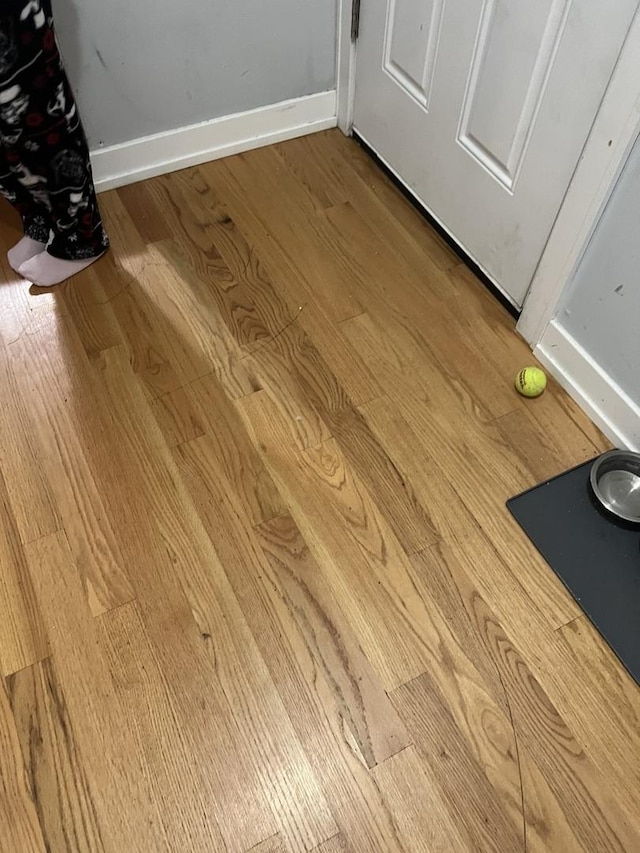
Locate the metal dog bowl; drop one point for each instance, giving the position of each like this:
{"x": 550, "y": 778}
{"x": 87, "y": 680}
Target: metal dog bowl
{"x": 615, "y": 480}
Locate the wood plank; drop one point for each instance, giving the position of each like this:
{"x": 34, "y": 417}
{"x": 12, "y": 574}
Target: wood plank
{"x": 470, "y": 797}
{"x": 177, "y": 781}
{"x": 151, "y": 352}
{"x": 86, "y": 302}
{"x": 394, "y": 494}
{"x": 150, "y": 218}
{"x": 395, "y": 202}
{"x": 23, "y": 638}
{"x": 111, "y": 431}
{"x": 280, "y": 203}
{"x": 336, "y": 170}
{"x": 523, "y": 615}
{"x": 242, "y": 290}
{"x": 336, "y": 732}
{"x": 412, "y": 299}
{"x": 250, "y": 295}
{"x": 337, "y": 844}
{"x": 127, "y": 465}
{"x": 178, "y": 418}
{"x": 421, "y": 815}
{"x": 339, "y": 355}
{"x": 18, "y": 816}
{"x": 293, "y": 373}
{"x": 546, "y": 451}
{"x": 472, "y": 456}
{"x": 288, "y": 278}
{"x": 576, "y": 680}
{"x": 229, "y": 444}
{"x": 364, "y": 705}
{"x": 55, "y": 767}
{"x": 120, "y": 268}
{"x": 348, "y": 535}
{"x": 22, "y": 315}
{"x": 117, "y": 777}
{"x": 587, "y": 648}
{"x": 286, "y": 791}
{"x": 255, "y": 467}
{"x": 324, "y": 177}
{"x": 175, "y": 335}
{"x": 486, "y": 323}
{"x": 275, "y": 844}
{"x": 191, "y": 219}
{"x": 51, "y": 394}
{"x": 601, "y": 702}
{"x": 448, "y": 516}
{"x": 436, "y": 571}
{"x": 28, "y": 489}
{"x": 589, "y": 811}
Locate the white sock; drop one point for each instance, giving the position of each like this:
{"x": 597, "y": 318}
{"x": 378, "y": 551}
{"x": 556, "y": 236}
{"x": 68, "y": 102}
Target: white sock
{"x": 23, "y": 251}
{"x": 45, "y": 270}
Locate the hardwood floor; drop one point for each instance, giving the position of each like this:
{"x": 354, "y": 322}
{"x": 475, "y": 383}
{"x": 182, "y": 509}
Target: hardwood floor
{"x": 259, "y": 590}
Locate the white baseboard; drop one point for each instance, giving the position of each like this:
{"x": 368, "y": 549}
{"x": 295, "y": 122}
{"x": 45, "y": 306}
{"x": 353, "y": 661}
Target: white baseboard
{"x": 154, "y": 155}
{"x": 608, "y": 406}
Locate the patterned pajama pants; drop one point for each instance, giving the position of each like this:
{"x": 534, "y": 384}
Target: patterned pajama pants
{"x": 45, "y": 171}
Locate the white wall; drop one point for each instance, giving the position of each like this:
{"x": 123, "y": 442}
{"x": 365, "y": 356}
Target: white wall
{"x": 140, "y": 67}
{"x": 593, "y": 343}
{"x": 601, "y": 309}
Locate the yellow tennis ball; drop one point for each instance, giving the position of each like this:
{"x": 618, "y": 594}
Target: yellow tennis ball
{"x": 531, "y": 382}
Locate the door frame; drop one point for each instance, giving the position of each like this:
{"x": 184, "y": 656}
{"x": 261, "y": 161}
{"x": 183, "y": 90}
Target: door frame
{"x": 612, "y": 136}
{"x": 346, "y": 56}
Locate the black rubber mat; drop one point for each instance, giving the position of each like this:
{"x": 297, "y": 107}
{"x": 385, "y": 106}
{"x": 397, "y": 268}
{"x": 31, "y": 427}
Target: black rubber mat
{"x": 597, "y": 558}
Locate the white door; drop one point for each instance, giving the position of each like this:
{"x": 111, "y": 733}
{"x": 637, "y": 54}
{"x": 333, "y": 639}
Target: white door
{"x": 482, "y": 108}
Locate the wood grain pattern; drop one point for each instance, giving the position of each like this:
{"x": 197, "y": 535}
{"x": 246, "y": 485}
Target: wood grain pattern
{"x": 116, "y": 774}
{"x": 544, "y": 733}
{"x": 178, "y": 419}
{"x": 229, "y": 444}
{"x": 280, "y": 203}
{"x": 295, "y": 276}
{"x": 291, "y": 364}
{"x": 424, "y": 823}
{"x": 18, "y": 817}
{"x": 55, "y": 767}
{"x": 241, "y": 285}
{"x": 232, "y": 718}
{"x": 59, "y": 399}
{"x": 32, "y": 503}
{"x": 443, "y": 747}
{"x": 347, "y": 533}
{"x": 365, "y": 707}
{"x": 259, "y": 587}
{"x": 23, "y": 640}
{"x": 382, "y": 203}
{"x": 150, "y": 706}
{"x": 438, "y": 572}
{"x": 337, "y": 844}
{"x": 275, "y": 844}
{"x": 347, "y": 726}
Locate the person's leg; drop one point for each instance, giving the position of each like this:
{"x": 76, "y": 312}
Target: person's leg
{"x": 47, "y": 150}
{"x": 35, "y": 217}
{"x": 79, "y": 237}
{"x": 36, "y": 220}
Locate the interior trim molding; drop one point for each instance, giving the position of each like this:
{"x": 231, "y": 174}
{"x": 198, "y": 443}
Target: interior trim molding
{"x": 128, "y": 162}
{"x": 595, "y": 391}
{"x": 613, "y": 135}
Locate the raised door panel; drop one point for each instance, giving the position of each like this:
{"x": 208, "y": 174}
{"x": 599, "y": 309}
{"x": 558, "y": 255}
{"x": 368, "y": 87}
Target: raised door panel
{"x": 411, "y": 45}
{"x": 514, "y": 53}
